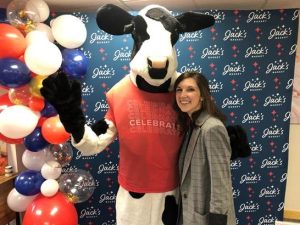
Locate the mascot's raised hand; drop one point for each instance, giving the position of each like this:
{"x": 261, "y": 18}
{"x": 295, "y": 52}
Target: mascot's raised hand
{"x": 65, "y": 96}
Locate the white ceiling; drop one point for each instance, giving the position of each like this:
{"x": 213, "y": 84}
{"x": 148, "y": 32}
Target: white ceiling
{"x": 180, "y": 5}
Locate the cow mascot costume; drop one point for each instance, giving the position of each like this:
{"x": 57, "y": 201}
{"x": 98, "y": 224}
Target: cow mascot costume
{"x": 140, "y": 112}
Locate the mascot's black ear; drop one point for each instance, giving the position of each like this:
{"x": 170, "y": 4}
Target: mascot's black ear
{"x": 238, "y": 141}
{"x": 193, "y": 21}
{"x": 113, "y": 19}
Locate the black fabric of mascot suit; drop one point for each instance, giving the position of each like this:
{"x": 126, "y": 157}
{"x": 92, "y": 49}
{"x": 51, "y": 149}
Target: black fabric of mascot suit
{"x": 65, "y": 94}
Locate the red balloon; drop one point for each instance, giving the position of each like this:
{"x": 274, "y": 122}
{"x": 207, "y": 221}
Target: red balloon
{"x": 13, "y": 42}
{"x": 11, "y": 140}
{"x": 4, "y": 102}
{"x": 36, "y": 103}
{"x": 21, "y": 58}
{"x": 55, "y": 210}
{"x": 53, "y": 131}
{"x": 41, "y": 121}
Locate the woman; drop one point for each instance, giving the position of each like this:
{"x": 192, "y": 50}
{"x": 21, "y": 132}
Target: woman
{"x": 204, "y": 162}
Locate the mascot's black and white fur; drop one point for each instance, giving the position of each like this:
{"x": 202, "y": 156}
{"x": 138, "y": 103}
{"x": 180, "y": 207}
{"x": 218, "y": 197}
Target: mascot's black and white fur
{"x": 140, "y": 112}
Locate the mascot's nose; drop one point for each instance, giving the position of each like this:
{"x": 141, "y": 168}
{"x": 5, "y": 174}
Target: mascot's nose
{"x": 158, "y": 66}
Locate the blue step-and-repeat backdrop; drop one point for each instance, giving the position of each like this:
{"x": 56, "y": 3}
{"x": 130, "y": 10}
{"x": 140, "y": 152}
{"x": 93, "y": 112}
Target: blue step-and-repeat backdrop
{"x": 249, "y": 58}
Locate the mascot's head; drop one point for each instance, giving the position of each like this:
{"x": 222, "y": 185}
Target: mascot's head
{"x": 154, "y": 31}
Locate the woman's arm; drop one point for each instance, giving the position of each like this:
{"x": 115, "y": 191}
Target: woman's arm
{"x": 219, "y": 153}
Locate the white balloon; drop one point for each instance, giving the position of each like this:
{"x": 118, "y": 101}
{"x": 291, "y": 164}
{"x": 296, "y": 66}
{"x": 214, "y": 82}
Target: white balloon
{"x": 51, "y": 170}
{"x": 49, "y": 187}
{"x": 18, "y": 121}
{"x": 35, "y": 36}
{"x": 42, "y": 8}
{"x": 69, "y": 31}
{"x": 18, "y": 202}
{"x": 46, "y": 30}
{"x": 43, "y": 58}
{"x": 34, "y": 160}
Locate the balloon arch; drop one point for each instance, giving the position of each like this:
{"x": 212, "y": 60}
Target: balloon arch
{"x": 30, "y": 51}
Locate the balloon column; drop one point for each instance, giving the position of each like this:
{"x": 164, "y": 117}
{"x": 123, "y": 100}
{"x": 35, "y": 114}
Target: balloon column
{"x": 30, "y": 51}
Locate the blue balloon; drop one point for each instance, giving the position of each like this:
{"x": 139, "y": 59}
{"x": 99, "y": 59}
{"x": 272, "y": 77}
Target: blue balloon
{"x": 35, "y": 140}
{"x": 3, "y": 18}
{"x": 48, "y": 110}
{"x": 29, "y": 182}
{"x": 13, "y": 73}
{"x": 74, "y": 63}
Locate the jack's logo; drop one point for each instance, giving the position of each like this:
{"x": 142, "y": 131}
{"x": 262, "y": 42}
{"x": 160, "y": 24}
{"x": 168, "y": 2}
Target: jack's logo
{"x": 273, "y": 132}
{"x": 275, "y": 100}
{"x": 90, "y": 212}
{"x": 87, "y": 90}
{"x": 233, "y": 69}
{"x": 219, "y": 16}
{"x": 235, "y": 164}
{"x": 107, "y": 168}
{"x": 253, "y": 117}
{"x": 215, "y": 86}
{"x": 255, "y": 147}
{"x": 190, "y": 67}
{"x": 103, "y": 72}
{"x": 250, "y": 178}
{"x": 277, "y": 67}
{"x": 80, "y": 156}
{"x": 191, "y": 36}
{"x": 122, "y": 54}
{"x": 267, "y": 220}
{"x": 280, "y": 32}
{"x": 101, "y": 106}
{"x": 235, "y": 34}
{"x": 212, "y": 52}
{"x": 108, "y": 197}
{"x": 249, "y": 207}
{"x": 256, "y": 51}
{"x": 259, "y": 16}
{"x": 100, "y": 37}
{"x": 271, "y": 162}
{"x": 254, "y": 85}
{"x": 269, "y": 191}
{"x": 233, "y": 102}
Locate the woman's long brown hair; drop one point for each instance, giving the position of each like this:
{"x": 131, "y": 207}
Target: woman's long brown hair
{"x": 183, "y": 121}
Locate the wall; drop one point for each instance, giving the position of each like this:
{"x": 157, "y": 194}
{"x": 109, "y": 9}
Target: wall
{"x": 241, "y": 86}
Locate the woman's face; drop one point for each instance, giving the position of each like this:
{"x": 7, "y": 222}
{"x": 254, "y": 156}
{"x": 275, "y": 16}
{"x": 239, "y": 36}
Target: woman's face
{"x": 188, "y": 96}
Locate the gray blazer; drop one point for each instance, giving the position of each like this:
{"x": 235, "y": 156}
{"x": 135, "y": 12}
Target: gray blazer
{"x": 205, "y": 184}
